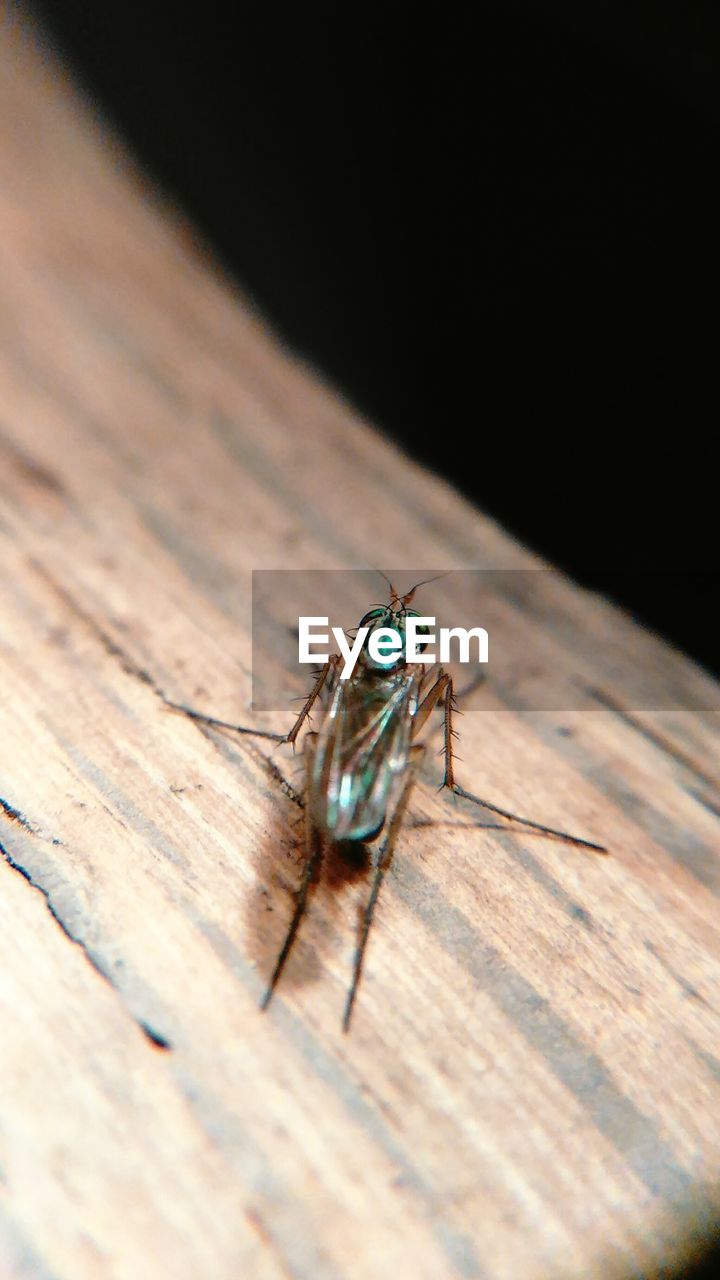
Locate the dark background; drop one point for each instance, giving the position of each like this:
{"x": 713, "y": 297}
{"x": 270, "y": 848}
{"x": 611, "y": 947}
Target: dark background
{"x": 494, "y": 226}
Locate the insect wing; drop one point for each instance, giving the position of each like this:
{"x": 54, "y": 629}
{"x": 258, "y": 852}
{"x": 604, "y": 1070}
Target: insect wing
{"x": 362, "y": 747}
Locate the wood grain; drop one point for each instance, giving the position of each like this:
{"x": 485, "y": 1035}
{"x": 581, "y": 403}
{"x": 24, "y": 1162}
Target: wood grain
{"x": 532, "y": 1084}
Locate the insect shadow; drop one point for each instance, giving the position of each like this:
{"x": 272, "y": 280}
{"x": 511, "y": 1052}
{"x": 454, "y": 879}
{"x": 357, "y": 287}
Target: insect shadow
{"x": 279, "y": 861}
{"x": 344, "y": 870}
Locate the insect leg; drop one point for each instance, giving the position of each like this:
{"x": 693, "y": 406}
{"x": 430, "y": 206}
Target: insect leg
{"x": 214, "y": 723}
{"x": 452, "y": 785}
{"x": 430, "y": 701}
{"x": 313, "y": 851}
{"x": 290, "y": 737}
{"x": 330, "y": 665}
{"x": 529, "y": 822}
{"x": 384, "y": 858}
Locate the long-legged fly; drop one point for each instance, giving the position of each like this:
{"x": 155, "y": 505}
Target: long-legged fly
{"x": 361, "y": 763}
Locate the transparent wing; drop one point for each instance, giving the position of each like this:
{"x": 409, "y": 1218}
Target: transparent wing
{"x": 362, "y": 747}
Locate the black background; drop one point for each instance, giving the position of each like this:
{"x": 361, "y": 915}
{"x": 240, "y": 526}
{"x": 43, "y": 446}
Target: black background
{"x": 494, "y": 226}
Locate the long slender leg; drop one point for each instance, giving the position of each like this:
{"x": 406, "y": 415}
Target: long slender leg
{"x": 290, "y": 737}
{"x": 214, "y": 723}
{"x": 452, "y": 785}
{"x": 382, "y": 864}
{"x": 313, "y": 851}
{"x": 330, "y": 665}
{"x": 430, "y": 701}
{"x": 529, "y": 822}
{"x": 442, "y": 688}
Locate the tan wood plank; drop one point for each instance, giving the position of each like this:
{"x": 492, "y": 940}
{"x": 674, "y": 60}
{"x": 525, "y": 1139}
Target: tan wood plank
{"x": 532, "y": 1082}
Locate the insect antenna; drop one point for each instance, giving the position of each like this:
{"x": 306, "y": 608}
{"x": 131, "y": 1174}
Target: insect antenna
{"x": 408, "y": 597}
{"x": 397, "y": 599}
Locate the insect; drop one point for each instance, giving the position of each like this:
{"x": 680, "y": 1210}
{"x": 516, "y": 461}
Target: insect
{"x": 362, "y": 761}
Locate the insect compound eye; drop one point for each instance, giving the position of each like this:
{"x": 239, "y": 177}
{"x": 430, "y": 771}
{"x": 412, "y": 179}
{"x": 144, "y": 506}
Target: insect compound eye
{"x": 373, "y": 616}
{"x": 376, "y": 620}
{"x": 413, "y": 613}
{"x": 422, "y": 630}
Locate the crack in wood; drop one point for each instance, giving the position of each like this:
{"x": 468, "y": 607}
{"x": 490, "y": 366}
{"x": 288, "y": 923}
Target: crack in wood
{"x": 155, "y": 1038}
{"x": 16, "y": 816}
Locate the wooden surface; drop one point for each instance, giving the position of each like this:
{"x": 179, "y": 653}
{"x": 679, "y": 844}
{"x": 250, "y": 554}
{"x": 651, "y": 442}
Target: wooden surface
{"x": 532, "y": 1084}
